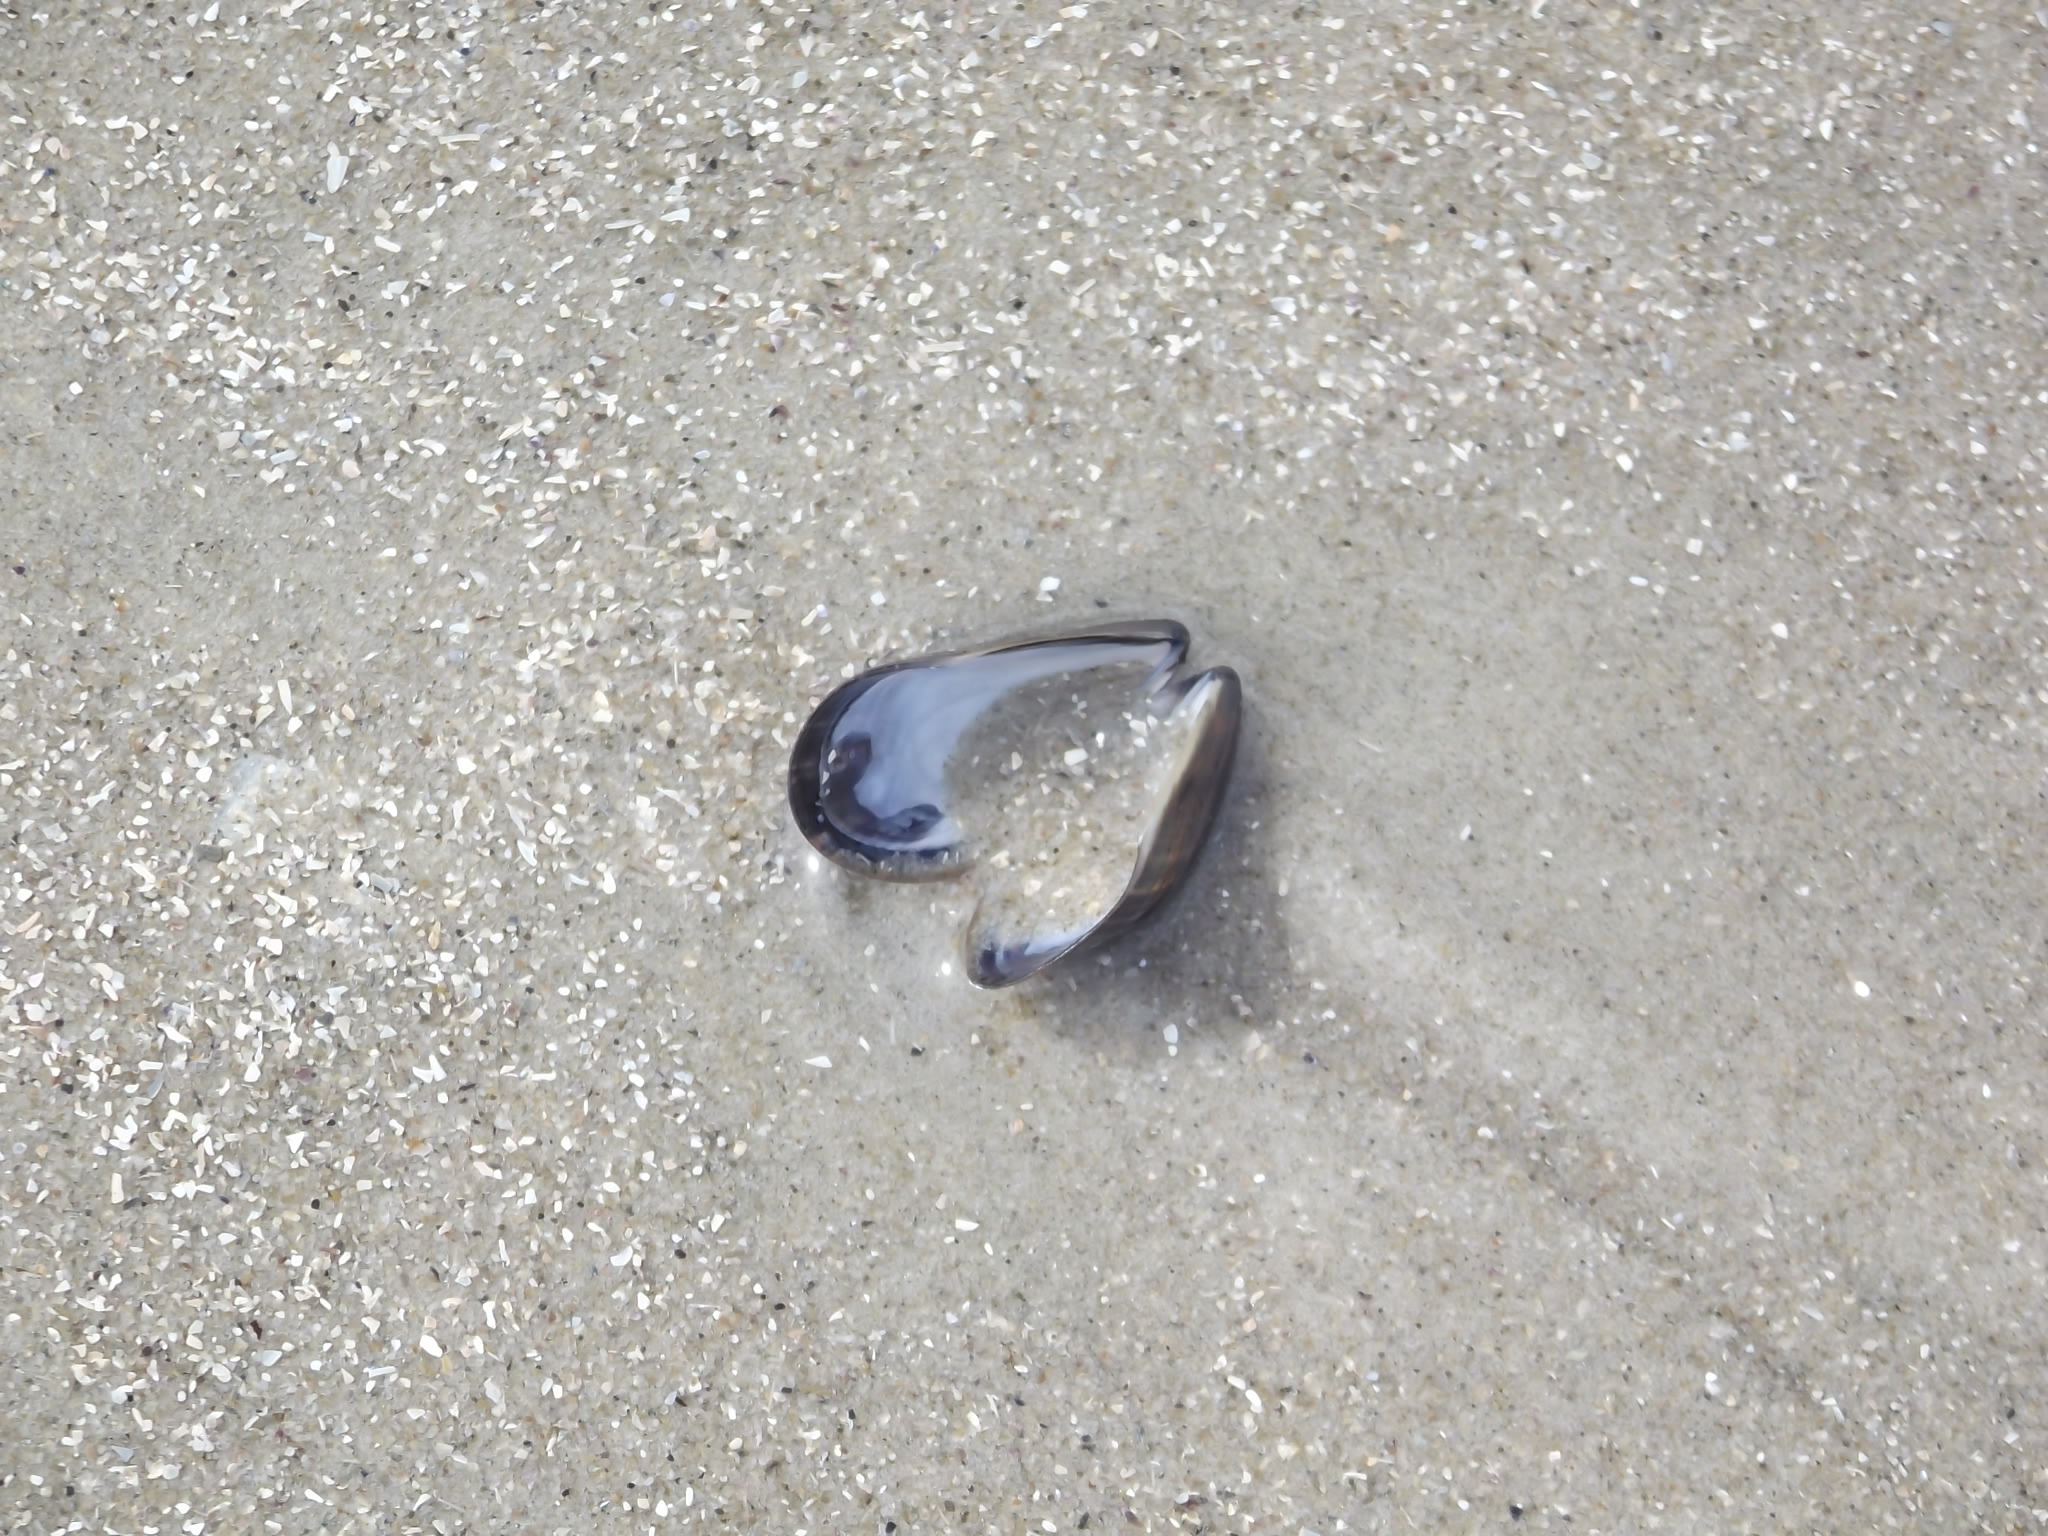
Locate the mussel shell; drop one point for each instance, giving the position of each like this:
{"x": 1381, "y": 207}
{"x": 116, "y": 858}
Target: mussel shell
{"x": 867, "y": 774}
{"x": 1168, "y": 851}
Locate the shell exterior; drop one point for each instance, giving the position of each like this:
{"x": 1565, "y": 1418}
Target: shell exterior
{"x": 872, "y": 776}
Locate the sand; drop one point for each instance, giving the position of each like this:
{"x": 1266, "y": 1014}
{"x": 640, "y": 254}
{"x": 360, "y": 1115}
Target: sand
{"x": 1592, "y": 1083}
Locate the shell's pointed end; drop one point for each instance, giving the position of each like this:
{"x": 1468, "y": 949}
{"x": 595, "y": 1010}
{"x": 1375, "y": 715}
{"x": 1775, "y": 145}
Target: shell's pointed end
{"x": 992, "y": 965}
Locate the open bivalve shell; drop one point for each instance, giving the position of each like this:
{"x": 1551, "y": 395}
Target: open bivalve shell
{"x": 1073, "y": 778}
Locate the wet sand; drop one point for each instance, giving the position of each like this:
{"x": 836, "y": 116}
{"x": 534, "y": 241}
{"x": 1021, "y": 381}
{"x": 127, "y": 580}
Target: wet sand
{"x": 1593, "y": 1080}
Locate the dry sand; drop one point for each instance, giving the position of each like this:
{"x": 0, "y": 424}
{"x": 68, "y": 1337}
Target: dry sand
{"x": 1594, "y": 1082}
